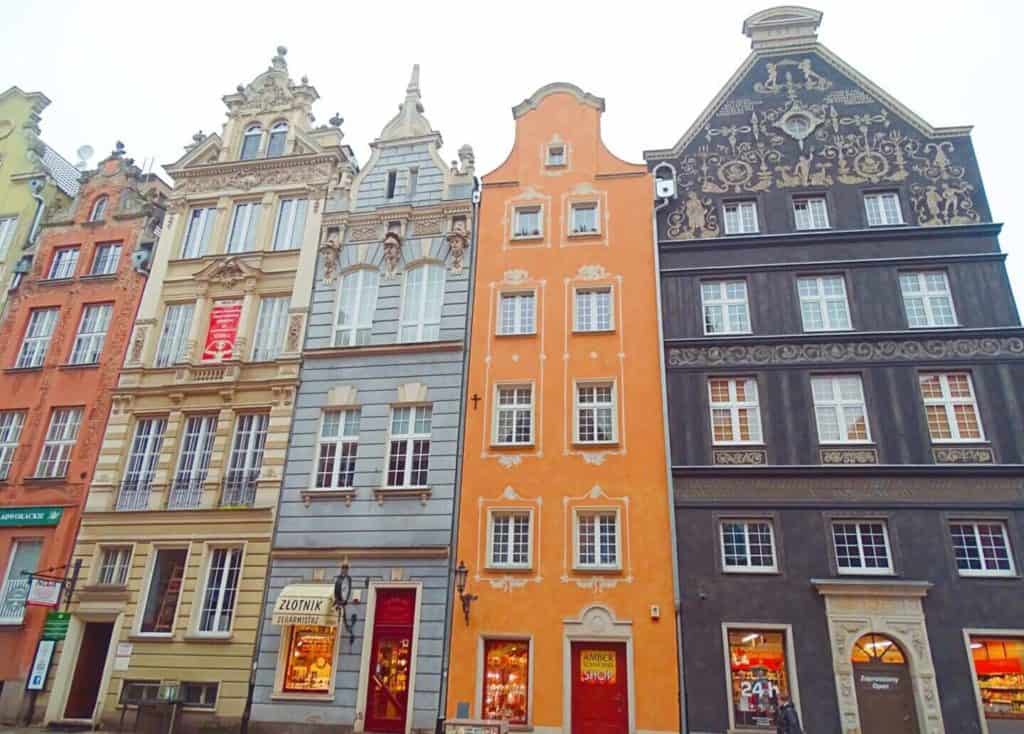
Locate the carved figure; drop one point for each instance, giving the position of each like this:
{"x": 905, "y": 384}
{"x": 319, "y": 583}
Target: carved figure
{"x": 392, "y": 253}
{"x": 812, "y": 80}
{"x": 329, "y": 254}
{"x": 457, "y": 246}
{"x": 696, "y": 218}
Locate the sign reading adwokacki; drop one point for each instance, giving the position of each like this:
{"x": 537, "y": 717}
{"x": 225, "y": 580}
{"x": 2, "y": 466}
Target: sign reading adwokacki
{"x": 311, "y": 604}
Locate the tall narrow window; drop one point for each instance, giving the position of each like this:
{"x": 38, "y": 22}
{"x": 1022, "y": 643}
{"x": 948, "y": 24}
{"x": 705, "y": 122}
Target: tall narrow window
{"x": 510, "y": 539}
{"x": 246, "y": 459}
{"x": 726, "y": 309}
{"x": 99, "y": 210}
{"x": 41, "y": 323}
{"x": 141, "y": 466}
{"x": 165, "y": 584}
{"x": 200, "y": 227}
{"x": 950, "y": 406}
{"x": 927, "y": 300}
{"x": 595, "y": 413}
{"x": 748, "y": 546}
{"x": 597, "y": 539}
{"x": 271, "y": 324}
{"x": 357, "y": 300}
{"x": 60, "y": 440}
{"x": 291, "y": 221}
{"x": 823, "y": 304}
{"x": 593, "y": 309}
{"x": 193, "y": 462}
{"x": 517, "y": 313}
{"x": 92, "y": 332}
{"x": 422, "y": 302}
{"x": 981, "y": 548}
{"x": 106, "y": 258}
{"x": 526, "y": 222}
{"x": 839, "y": 409}
{"x": 244, "y": 221}
{"x": 114, "y": 564}
{"x": 883, "y": 209}
{"x": 11, "y": 422}
{"x": 392, "y": 183}
{"x": 24, "y": 559}
{"x": 862, "y": 547}
{"x": 278, "y": 136}
{"x": 64, "y": 263}
{"x": 810, "y": 213}
{"x": 414, "y": 175}
{"x": 336, "y": 451}
{"x": 251, "y": 142}
{"x": 174, "y": 336}
{"x": 221, "y": 589}
{"x": 735, "y": 413}
{"x": 740, "y": 217}
{"x": 513, "y": 424}
{"x": 7, "y": 227}
{"x": 409, "y": 446}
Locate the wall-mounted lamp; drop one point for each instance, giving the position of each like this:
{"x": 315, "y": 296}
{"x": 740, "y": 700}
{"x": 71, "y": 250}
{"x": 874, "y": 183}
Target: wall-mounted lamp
{"x": 342, "y": 598}
{"x": 461, "y": 574}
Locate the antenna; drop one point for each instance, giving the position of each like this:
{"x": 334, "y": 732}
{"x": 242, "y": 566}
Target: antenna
{"x": 84, "y": 154}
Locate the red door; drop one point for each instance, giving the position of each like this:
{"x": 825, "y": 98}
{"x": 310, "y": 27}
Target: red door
{"x": 387, "y": 695}
{"x": 92, "y": 656}
{"x": 600, "y": 698}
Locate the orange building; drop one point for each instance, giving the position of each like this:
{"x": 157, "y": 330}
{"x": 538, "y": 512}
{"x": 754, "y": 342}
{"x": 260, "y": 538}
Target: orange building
{"x": 62, "y": 343}
{"x": 564, "y": 518}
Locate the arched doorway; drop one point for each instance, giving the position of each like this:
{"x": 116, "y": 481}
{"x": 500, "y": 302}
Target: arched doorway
{"x": 885, "y": 694}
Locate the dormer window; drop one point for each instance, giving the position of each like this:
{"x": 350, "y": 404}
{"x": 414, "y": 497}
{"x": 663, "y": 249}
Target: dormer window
{"x": 278, "y": 134}
{"x": 99, "y": 210}
{"x": 251, "y": 142}
{"x": 556, "y": 155}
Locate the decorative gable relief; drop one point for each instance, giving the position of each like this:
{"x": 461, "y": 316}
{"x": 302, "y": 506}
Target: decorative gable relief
{"x": 412, "y": 392}
{"x": 342, "y": 396}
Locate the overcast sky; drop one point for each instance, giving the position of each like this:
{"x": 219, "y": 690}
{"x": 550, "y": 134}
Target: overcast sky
{"x": 152, "y": 74}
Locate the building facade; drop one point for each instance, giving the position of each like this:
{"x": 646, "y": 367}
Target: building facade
{"x": 564, "y": 517}
{"x": 63, "y": 341}
{"x": 175, "y": 536}
{"x": 844, "y": 371}
{"x": 369, "y": 486}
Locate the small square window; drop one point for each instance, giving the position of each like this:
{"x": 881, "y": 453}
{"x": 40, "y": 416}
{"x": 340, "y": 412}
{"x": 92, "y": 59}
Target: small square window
{"x": 862, "y": 547}
{"x": 556, "y": 155}
{"x": 810, "y": 213}
{"x": 509, "y": 540}
{"x": 584, "y": 218}
{"x": 517, "y": 313}
{"x": 981, "y": 548}
{"x": 513, "y": 415}
{"x": 527, "y": 222}
{"x": 740, "y": 217}
{"x": 597, "y": 540}
{"x": 593, "y": 309}
{"x": 748, "y": 546}
{"x": 883, "y": 209}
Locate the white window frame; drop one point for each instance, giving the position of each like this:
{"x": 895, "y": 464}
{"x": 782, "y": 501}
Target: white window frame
{"x": 59, "y": 443}
{"x": 11, "y": 423}
{"x": 839, "y": 405}
{"x": 734, "y": 406}
{"x": 271, "y": 326}
{"x": 550, "y": 160}
{"x": 343, "y": 441}
{"x": 587, "y": 309}
{"x": 514, "y": 515}
{"x": 538, "y": 209}
{"x": 356, "y": 330}
{"x": 515, "y": 409}
{"x": 598, "y": 564}
{"x": 862, "y": 569}
{"x": 879, "y": 208}
{"x": 99, "y": 209}
{"x": 220, "y": 608}
{"x": 595, "y": 407}
{"x": 5, "y": 582}
{"x": 746, "y": 523}
{"x": 195, "y": 454}
{"x": 144, "y": 597}
{"x": 278, "y": 132}
{"x": 206, "y": 702}
{"x": 252, "y": 132}
{"x": 813, "y": 215}
{"x": 172, "y": 347}
{"x": 8, "y": 226}
{"x": 422, "y": 311}
{"x": 740, "y": 217}
{"x": 36, "y": 342}
{"x": 245, "y": 221}
{"x": 92, "y": 333}
{"x": 291, "y": 212}
{"x": 409, "y": 438}
{"x": 928, "y": 298}
{"x": 106, "y": 256}
{"x": 724, "y": 301}
{"x": 201, "y": 220}
{"x": 248, "y": 443}
{"x": 520, "y": 325}
{"x": 119, "y": 565}
{"x": 985, "y": 571}
{"x": 576, "y": 206}
{"x": 948, "y": 402}
{"x": 64, "y": 263}
{"x": 821, "y": 301}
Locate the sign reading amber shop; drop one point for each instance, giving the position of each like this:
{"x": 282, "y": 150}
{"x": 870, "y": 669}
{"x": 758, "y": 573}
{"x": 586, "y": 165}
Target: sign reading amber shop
{"x": 223, "y": 331}
{"x": 597, "y": 667}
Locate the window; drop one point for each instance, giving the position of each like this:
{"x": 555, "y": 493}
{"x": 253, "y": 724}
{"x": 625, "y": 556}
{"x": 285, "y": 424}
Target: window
{"x": 278, "y": 136}
{"x": 883, "y": 209}
{"x": 41, "y": 322}
{"x": 422, "y": 302}
{"x": 758, "y": 676}
{"x": 271, "y": 324}
{"x": 141, "y": 466}
{"x": 823, "y": 304}
{"x": 92, "y": 332}
{"x": 584, "y": 218}
{"x": 336, "y": 451}
{"x": 60, "y": 440}
{"x": 999, "y": 669}
{"x": 244, "y": 221}
{"x": 24, "y": 559}
{"x": 594, "y": 309}
{"x": 11, "y": 422}
{"x": 518, "y": 313}
{"x": 862, "y": 547}
{"x": 246, "y": 459}
{"x": 114, "y": 564}
{"x": 595, "y": 413}
{"x": 64, "y": 263}
{"x": 748, "y": 546}
{"x": 7, "y": 227}
{"x": 193, "y": 462}
{"x": 200, "y": 227}
{"x": 221, "y": 589}
{"x": 513, "y": 424}
{"x": 134, "y": 692}
{"x": 950, "y": 406}
{"x": 106, "y": 258}
{"x": 251, "y": 142}
{"x": 735, "y": 414}
{"x": 526, "y": 222}
{"x": 597, "y": 539}
{"x": 981, "y": 548}
{"x": 810, "y": 213}
{"x": 927, "y": 300}
{"x": 309, "y": 658}
{"x": 506, "y": 693}
{"x": 740, "y": 217}
{"x": 392, "y": 184}
{"x": 357, "y": 300}
{"x": 291, "y": 221}
{"x": 173, "y": 343}
{"x": 199, "y": 695}
{"x": 839, "y": 409}
{"x": 414, "y": 175}
{"x": 409, "y": 446}
{"x": 726, "y": 310}
{"x": 510, "y": 539}
{"x": 99, "y": 210}
{"x": 164, "y": 591}
{"x": 556, "y": 155}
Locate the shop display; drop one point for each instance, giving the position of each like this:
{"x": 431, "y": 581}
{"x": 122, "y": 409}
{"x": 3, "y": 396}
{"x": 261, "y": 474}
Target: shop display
{"x": 310, "y": 659}
{"x": 757, "y": 664}
{"x": 999, "y": 666}
{"x": 506, "y": 680}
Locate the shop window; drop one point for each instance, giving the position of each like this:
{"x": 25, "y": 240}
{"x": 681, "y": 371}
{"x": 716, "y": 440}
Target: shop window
{"x": 748, "y": 546}
{"x": 506, "y": 686}
{"x": 999, "y": 667}
{"x": 164, "y": 591}
{"x": 309, "y": 659}
{"x": 758, "y": 676}
{"x": 199, "y": 695}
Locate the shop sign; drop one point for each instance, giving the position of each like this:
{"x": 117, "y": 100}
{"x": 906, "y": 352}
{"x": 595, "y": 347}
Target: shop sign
{"x": 22, "y": 516}
{"x": 222, "y": 331}
{"x": 44, "y": 592}
{"x": 879, "y": 682}
{"x": 40, "y": 665}
{"x": 56, "y": 625}
{"x": 470, "y": 726}
{"x": 597, "y": 666}
{"x": 306, "y": 605}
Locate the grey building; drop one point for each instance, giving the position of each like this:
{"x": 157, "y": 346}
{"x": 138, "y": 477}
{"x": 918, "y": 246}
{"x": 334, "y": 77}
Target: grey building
{"x": 370, "y": 478}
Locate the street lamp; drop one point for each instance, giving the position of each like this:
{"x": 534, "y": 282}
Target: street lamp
{"x": 461, "y": 574}
{"x": 342, "y": 598}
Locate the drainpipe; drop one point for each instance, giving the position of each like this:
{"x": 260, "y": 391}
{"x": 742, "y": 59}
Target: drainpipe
{"x": 454, "y": 546}
{"x": 677, "y": 601}
{"x": 37, "y": 185}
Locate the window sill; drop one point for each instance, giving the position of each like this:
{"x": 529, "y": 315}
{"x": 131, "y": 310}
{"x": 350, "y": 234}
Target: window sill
{"x": 44, "y": 480}
{"x": 1002, "y": 575}
{"x": 309, "y": 495}
{"x": 100, "y": 276}
{"x": 739, "y": 444}
{"x": 846, "y": 444}
{"x": 751, "y": 571}
{"x": 77, "y": 365}
{"x": 516, "y": 333}
{"x": 584, "y": 235}
{"x": 610, "y": 330}
{"x": 600, "y": 570}
{"x": 865, "y": 572}
{"x": 151, "y": 637}
{"x": 934, "y": 326}
{"x": 946, "y": 443}
{"x": 509, "y": 569}
{"x": 221, "y": 638}
{"x": 388, "y": 493}
{"x": 325, "y": 697}
{"x": 55, "y": 281}
{"x": 728, "y": 333}
{"x": 584, "y": 445}
{"x": 512, "y": 446}
{"x": 527, "y": 237}
{"x": 20, "y": 370}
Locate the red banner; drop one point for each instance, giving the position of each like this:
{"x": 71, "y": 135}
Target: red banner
{"x": 223, "y": 330}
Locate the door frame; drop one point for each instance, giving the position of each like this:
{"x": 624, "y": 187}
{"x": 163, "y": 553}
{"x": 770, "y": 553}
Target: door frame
{"x": 69, "y": 661}
{"x": 791, "y": 667}
{"x": 596, "y": 623}
{"x": 364, "y": 661}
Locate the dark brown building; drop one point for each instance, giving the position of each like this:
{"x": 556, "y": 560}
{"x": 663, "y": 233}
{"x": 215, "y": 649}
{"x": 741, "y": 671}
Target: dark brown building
{"x": 845, "y": 381}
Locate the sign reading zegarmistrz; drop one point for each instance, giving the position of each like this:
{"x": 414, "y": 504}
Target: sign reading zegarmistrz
{"x": 22, "y": 516}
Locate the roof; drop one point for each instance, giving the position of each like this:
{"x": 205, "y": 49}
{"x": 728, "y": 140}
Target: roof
{"x": 65, "y": 174}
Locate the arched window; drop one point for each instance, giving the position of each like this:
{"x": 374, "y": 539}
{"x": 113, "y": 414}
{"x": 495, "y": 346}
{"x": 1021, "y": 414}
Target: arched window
{"x": 278, "y": 133}
{"x": 421, "y": 303}
{"x": 357, "y": 299}
{"x": 251, "y": 142}
{"x": 99, "y": 210}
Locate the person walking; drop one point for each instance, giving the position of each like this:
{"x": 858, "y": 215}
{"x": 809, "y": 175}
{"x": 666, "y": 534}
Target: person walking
{"x": 787, "y": 721}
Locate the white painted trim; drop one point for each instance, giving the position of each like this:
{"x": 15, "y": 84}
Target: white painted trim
{"x": 143, "y": 599}
{"x": 498, "y": 568}
{"x": 502, "y": 384}
{"x": 794, "y": 685}
{"x": 64, "y": 675}
{"x": 200, "y": 593}
{"x": 968, "y": 632}
{"x": 501, "y": 578}
{"x": 478, "y": 704}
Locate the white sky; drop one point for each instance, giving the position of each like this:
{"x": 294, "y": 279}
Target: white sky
{"x": 152, "y": 74}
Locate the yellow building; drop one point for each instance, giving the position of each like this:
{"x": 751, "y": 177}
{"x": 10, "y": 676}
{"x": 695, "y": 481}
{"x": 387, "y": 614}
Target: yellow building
{"x": 177, "y": 526}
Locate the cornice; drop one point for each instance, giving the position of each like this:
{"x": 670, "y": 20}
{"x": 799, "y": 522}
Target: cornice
{"x": 406, "y": 211}
{"x": 400, "y": 348}
{"x": 818, "y": 237}
{"x": 842, "y": 470}
{"x": 863, "y": 262}
{"x": 198, "y": 516}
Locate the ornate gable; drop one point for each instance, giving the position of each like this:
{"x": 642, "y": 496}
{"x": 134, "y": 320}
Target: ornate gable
{"x": 228, "y": 272}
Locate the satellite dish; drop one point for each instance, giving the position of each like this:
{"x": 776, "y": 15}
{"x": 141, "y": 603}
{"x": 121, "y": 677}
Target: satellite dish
{"x": 84, "y": 154}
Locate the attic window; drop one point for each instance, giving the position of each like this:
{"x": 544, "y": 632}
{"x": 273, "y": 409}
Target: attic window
{"x": 278, "y": 134}
{"x": 392, "y": 183}
{"x": 251, "y": 142}
{"x": 99, "y": 210}
{"x": 556, "y": 155}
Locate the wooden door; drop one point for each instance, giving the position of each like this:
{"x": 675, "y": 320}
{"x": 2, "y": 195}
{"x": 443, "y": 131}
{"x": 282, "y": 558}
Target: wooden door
{"x": 600, "y": 690}
{"x": 387, "y": 697}
{"x": 92, "y": 656}
{"x": 885, "y": 698}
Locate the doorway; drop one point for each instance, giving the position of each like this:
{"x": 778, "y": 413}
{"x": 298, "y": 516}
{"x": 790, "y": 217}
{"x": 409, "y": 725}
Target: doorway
{"x": 600, "y": 690}
{"x": 92, "y": 657}
{"x": 387, "y": 697}
{"x": 885, "y": 694}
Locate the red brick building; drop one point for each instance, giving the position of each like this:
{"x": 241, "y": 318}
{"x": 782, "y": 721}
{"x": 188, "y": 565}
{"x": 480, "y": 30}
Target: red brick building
{"x": 62, "y": 343}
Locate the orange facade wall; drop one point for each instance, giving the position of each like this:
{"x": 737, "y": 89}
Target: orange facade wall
{"x": 554, "y": 475}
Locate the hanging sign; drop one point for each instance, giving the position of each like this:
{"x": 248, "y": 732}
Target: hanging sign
{"x": 44, "y": 592}
{"x": 597, "y": 667}
{"x": 56, "y": 625}
{"x": 40, "y": 665}
{"x": 14, "y": 516}
{"x": 222, "y": 331}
